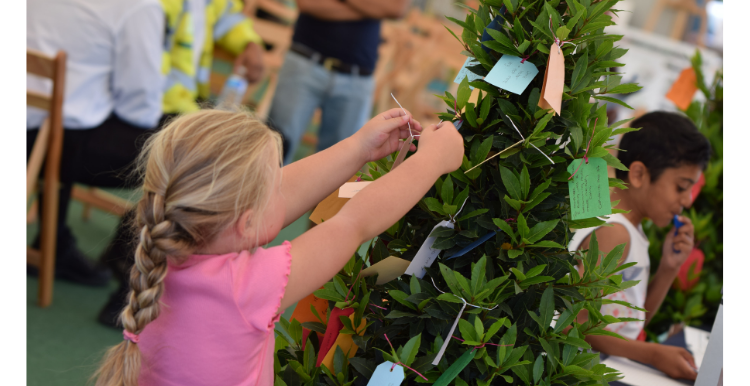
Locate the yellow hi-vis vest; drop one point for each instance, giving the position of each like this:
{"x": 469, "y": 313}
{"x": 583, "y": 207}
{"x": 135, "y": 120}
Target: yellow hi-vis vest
{"x": 227, "y": 26}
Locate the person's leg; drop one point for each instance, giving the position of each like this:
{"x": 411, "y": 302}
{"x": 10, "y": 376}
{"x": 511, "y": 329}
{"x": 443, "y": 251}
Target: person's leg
{"x": 297, "y": 96}
{"x": 346, "y": 108}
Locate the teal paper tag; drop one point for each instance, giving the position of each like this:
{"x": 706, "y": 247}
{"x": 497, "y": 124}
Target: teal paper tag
{"x": 464, "y": 72}
{"x": 383, "y": 376}
{"x": 512, "y": 75}
{"x": 453, "y": 371}
{"x": 589, "y": 189}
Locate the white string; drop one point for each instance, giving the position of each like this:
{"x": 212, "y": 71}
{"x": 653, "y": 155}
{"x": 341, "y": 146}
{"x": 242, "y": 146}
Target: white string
{"x": 407, "y": 123}
{"x": 453, "y": 218}
{"x": 455, "y": 322}
{"x": 519, "y": 133}
{"x": 558, "y": 41}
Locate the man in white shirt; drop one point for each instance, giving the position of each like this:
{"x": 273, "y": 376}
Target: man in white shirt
{"x": 113, "y": 97}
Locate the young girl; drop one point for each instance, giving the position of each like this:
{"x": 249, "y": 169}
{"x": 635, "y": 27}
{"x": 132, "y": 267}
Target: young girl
{"x": 205, "y": 297}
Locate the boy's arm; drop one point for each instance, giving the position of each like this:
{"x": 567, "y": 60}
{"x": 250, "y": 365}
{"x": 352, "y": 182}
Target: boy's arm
{"x": 674, "y": 361}
{"x": 675, "y": 251}
{"x": 318, "y": 254}
{"x": 332, "y": 10}
{"x": 308, "y": 181}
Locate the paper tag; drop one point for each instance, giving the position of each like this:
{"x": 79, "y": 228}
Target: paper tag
{"x": 349, "y": 189}
{"x": 383, "y": 376}
{"x": 330, "y": 205}
{"x": 448, "y": 338}
{"x": 426, "y": 255}
{"x": 464, "y": 72}
{"x": 684, "y": 89}
{"x": 512, "y": 75}
{"x": 345, "y": 341}
{"x": 496, "y": 24}
{"x": 473, "y": 245}
{"x": 402, "y": 152}
{"x": 387, "y": 269}
{"x": 449, "y": 375}
{"x": 589, "y": 189}
{"x": 554, "y": 80}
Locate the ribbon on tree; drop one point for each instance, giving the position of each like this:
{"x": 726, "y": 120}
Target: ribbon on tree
{"x": 455, "y": 323}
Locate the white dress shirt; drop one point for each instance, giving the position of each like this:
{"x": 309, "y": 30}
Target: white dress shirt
{"x": 114, "y": 50}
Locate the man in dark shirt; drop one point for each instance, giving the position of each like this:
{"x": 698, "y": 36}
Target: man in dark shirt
{"x": 330, "y": 66}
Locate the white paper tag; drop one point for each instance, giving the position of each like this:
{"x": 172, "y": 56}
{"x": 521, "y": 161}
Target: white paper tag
{"x": 426, "y": 255}
{"x": 349, "y": 189}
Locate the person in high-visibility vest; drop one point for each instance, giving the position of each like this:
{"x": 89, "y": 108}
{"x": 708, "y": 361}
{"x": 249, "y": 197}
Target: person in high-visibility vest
{"x": 193, "y": 28}
{"x": 190, "y": 49}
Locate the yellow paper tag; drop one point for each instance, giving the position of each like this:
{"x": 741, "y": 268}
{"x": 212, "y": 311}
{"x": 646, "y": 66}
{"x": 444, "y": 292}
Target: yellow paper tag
{"x": 387, "y": 269}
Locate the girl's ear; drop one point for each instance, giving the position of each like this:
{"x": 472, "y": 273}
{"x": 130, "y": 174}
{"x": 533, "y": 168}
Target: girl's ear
{"x": 244, "y": 226}
{"x": 638, "y": 175}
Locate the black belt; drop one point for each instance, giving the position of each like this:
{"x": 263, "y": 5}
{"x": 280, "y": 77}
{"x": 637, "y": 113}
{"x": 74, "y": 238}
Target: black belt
{"x": 330, "y": 64}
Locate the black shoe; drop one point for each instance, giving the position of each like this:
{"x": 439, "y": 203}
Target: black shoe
{"x": 110, "y": 314}
{"x": 71, "y": 265}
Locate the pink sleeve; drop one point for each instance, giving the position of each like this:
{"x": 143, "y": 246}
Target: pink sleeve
{"x": 259, "y": 282}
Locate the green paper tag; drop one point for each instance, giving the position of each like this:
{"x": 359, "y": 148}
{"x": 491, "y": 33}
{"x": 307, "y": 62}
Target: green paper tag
{"x": 452, "y": 372}
{"x": 589, "y": 189}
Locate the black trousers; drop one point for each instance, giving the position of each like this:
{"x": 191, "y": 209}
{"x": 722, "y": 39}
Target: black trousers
{"x": 102, "y": 156}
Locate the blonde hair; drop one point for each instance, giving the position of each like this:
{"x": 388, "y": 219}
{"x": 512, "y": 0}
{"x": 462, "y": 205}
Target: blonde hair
{"x": 199, "y": 174}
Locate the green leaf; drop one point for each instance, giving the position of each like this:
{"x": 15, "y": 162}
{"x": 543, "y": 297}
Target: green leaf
{"x": 613, "y": 100}
{"x": 467, "y": 330}
{"x": 411, "y": 348}
{"x": 479, "y": 328}
{"x": 485, "y": 109}
{"x": 524, "y": 46}
{"x": 470, "y": 114}
{"x": 562, "y": 32}
{"x": 540, "y": 230}
{"x": 519, "y": 275}
{"x": 494, "y": 328}
{"x": 512, "y": 185}
{"x": 523, "y": 229}
{"x": 513, "y": 253}
{"x": 535, "y": 280}
{"x": 536, "y": 270}
{"x": 478, "y": 274}
{"x": 505, "y": 228}
{"x": 446, "y": 193}
{"x": 579, "y": 70}
{"x": 612, "y": 259}
{"x": 473, "y": 214}
{"x": 525, "y": 181}
{"x": 448, "y": 297}
{"x": 542, "y": 123}
{"x": 547, "y": 306}
{"x": 515, "y": 204}
{"x": 538, "y": 365}
{"x": 463, "y": 94}
{"x": 414, "y": 286}
{"x": 481, "y": 153}
{"x": 614, "y": 162}
{"x": 546, "y": 244}
{"x": 400, "y": 297}
{"x": 450, "y": 279}
{"x": 625, "y": 89}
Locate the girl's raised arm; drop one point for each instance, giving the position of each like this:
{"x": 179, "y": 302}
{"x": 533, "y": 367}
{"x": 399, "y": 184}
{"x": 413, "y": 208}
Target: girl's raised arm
{"x": 317, "y": 255}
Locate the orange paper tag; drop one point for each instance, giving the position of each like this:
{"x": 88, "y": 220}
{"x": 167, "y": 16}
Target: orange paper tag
{"x": 346, "y": 343}
{"x": 554, "y": 80}
{"x": 303, "y": 313}
{"x": 330, "y": 205}
{"x": 684, "y": 89}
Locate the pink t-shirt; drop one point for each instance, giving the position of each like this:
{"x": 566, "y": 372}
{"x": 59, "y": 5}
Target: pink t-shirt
{"x": 217, "y": 319}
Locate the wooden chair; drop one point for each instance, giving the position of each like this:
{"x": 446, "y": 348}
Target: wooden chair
{"x": 48, "y": 149}
{"x": 684, "y": 9}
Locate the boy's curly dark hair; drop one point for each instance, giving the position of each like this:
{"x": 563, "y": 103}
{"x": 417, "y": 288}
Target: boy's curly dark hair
{"x": 665, "y": 140}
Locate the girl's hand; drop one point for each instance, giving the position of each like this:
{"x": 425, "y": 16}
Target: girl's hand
{"x": 677, "y": 248}
{"x": 443, "y": 144}
{"x": 380, "y": 136}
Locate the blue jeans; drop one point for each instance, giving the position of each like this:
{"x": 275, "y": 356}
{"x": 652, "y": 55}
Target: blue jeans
{"x": 345, "y": 101}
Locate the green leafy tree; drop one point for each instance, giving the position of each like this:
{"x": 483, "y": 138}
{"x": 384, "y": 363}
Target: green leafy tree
{"x": 698, "y": 305}
{"x": 522, "y": 277}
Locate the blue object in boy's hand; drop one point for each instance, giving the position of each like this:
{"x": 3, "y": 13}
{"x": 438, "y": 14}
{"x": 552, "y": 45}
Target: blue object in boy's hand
{"x": 677, "y": 225}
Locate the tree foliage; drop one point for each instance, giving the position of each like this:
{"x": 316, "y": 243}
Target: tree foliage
{"x": 522, "y": 277}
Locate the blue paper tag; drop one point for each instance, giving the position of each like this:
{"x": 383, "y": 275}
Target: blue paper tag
{"x": 473, "y": 245}
{"x": 383, "y": 376}
{"x": 512, "y": 75}
{"x": 496, "y": 24}
{"x": 465, "y": 72}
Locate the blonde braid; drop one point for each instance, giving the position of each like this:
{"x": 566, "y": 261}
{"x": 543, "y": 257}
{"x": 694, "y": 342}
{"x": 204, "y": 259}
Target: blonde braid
{"x": 199, "y": 173}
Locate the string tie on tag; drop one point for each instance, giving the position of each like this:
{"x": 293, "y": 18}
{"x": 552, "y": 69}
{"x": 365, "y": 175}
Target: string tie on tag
{"x": 407, "y": 123}
{"x": 400, "y": 363}
{"x": 585, "y": 155}
{"x": 559, "y": 42}
{"x": 453, "y": 218}
{"x": 455, "y": 322}
{"x": 524, "y": 139}
{"x": 455, "y": 111}
{"x": 483, "y": 344}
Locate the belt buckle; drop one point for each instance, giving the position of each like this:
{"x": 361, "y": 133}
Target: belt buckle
{"x": 328, "y": 63}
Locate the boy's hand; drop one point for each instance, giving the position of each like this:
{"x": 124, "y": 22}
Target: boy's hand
{"x": 443, "y": 144}
{"x": 677, "y": 248}
{"x": 674, "y": 361}
{"x": 380, "y": 135}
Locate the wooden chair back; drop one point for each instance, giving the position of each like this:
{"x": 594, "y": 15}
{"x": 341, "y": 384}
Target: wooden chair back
{"x": 48, "y": 149}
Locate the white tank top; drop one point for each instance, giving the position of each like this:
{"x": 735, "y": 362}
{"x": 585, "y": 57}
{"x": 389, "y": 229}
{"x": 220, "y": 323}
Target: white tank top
{"x": 635, "y": 295}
